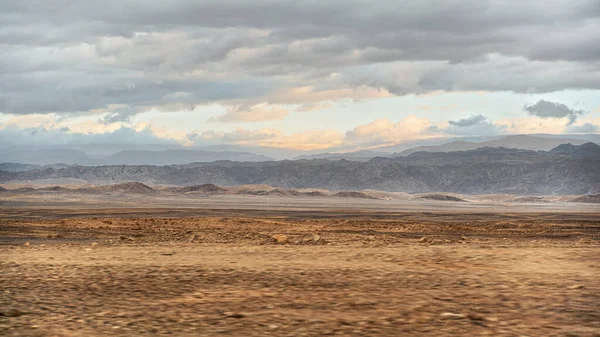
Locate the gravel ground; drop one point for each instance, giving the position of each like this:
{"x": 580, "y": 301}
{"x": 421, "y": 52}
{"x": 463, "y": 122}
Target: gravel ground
{"x": 418, "y": 274}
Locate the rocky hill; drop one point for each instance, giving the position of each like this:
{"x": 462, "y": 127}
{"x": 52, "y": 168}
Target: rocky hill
{"x": 480, "y": 171}
{"x": 592, "y": 198}
{"x": 126, "y": 188}
{"x": 590, "y": 149}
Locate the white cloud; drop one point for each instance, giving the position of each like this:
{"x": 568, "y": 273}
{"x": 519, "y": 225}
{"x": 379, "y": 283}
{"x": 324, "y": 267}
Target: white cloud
{"x": 384, "y": 131}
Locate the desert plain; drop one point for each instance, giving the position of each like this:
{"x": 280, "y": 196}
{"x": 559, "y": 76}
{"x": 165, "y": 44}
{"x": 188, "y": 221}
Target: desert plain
{"x": 119, "y": 264}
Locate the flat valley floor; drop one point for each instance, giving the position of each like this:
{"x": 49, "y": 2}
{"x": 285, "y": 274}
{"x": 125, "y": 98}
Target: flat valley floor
{"x": 134, "y": 269}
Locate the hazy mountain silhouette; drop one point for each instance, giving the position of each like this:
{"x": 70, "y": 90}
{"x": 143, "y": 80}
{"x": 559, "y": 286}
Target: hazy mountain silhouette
{"x": 525, "y": 142}
{"x": 484, "y": 170}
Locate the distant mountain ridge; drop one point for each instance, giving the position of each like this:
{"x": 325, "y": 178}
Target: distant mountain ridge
{"x": 356, "y": 155}
{"x": 178, "y": 157}
{"x": 480, "y": 171}
{"x": 127, "y": 157}
{"x": 18, "y": 167}
{"x": 585, "y": 150}
{"x": 524, "y": 142}
{"x": 89, "y": 155}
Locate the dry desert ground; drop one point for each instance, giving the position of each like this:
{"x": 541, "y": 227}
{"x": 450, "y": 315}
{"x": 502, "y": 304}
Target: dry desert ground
{"x": 129, "y": 266}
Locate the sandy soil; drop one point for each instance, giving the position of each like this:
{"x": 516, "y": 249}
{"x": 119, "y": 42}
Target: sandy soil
{"x": 191, "y": 272}
{"x": 26, "y": 204}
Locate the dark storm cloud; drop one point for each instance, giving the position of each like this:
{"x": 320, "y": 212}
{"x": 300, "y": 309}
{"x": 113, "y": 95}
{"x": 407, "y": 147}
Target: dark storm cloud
{"x": 470, "y": 121}
{"x": 56, "y": 92}
{"x": 474, "y": 125}
{"x": 546, "y": 109}
{"x": 121, "y": 116}
{"x": 434, "y": 129}
{"x": 80, "y": 55}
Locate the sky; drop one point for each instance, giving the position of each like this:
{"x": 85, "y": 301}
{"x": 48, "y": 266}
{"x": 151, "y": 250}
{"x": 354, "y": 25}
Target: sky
{"x": 301, "y": 75}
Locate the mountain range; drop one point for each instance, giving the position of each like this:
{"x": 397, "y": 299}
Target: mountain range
{"x": 362, "y": 155}
{"x": 568, "y": 169}
{"x": 139, "y": 154}
{"x": 126, "y": 157}
{"x": 524, "y": 142}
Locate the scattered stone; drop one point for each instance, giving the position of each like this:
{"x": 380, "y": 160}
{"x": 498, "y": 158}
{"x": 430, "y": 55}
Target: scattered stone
{"x": 344, "y": 322}
{"x": 451, "y": 315}
{"x": 280, "y": 238}
{"x": 192, "y": 238}
{"x": 26, "y": 244}
{"x": 424, "y": 239}
{"x": 12, "y": 313}
{"x": 230, "y": 314}
{"x": 478, "y": 318}
{"x": 575, "y": 286}
{"x": 94, "y": 244}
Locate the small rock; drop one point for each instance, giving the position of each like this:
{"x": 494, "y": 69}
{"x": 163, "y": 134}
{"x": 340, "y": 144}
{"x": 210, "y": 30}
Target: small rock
{"x": 230, "y": 314}
{"x": 451, "y": 315}
{"x": 273, "y": 326}
{"x": 94, "y": 244}
{"x": 280, "y": 238}
{"x": 26, "y": 244}
{"x": 478, "y": 317}
{"x": 575, "y": 286}
{"x": 192, "y": 238}
{"x": 424, "y": 239}
{"x": 12, "y": 313}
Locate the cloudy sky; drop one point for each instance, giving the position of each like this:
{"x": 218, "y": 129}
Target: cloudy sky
{"x": 306, "y": 75}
